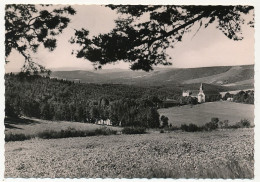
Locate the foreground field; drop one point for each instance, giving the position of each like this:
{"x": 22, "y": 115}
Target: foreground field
{"x": 217, "y": 154}
{"x": 30, "y": 126}
{"x": 202, "y": 113}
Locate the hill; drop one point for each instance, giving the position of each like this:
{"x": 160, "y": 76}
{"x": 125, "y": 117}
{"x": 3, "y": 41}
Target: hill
{"x": 235, "y": 77}
{"x": 202, "y": 113}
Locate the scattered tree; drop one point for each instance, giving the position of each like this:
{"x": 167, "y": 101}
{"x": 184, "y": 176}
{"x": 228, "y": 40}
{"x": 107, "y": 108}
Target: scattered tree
{"x": 164, "y": 120}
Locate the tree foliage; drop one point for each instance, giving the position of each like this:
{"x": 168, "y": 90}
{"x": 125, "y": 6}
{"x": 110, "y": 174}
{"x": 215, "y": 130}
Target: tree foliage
{"x": 53, "y": 99}
{"x": 28, "y": 26}
{"x": 143, "y": 33}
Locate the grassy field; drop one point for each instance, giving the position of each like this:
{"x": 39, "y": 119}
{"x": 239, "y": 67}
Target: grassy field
{"x": 217, "y": 154}
{"x": 30, "y": 126}
{"x": 225, "y": 153}
{"x": 202, "y": 113}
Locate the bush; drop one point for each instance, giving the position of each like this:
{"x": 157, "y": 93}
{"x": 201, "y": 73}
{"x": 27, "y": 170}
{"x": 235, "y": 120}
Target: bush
{"x": 214, "y": 120}
{"x": 190, "y": 128}
{"x": 244, "y": 123}
{"x": 161, "y": 131}
{"x": 132, "y": 130}
{"x": 164, "y": 120}
{"x": 16, "y": 137}
{"x": 212, "y": 125}
{"x": 105, "y": 131}
{"x": 172, "y": 128}
{"x": 71, "y": 132}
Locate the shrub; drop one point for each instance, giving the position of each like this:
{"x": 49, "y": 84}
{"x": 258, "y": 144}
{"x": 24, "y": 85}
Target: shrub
{"x": 105, "y": 131}
{"x": 214, "y": 120}
{"x": 48, "y": 134}
{"x": 16, "y": 137}
{"x": 244, "y": 123}
{"x": 164, "y": 120}
{"x": 132, "y": 130}
{"x": 225, "y": 123}
{"x": 190, "y": 128}
{"x": 161, "y": 131}
{"x": 172, "y": 128}
{"x": 212, "y": 125}
{"x": 71, "y": 132}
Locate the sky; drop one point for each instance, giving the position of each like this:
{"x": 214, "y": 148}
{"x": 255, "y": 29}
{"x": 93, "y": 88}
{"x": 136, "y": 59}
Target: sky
{"x": 207, "y": 47}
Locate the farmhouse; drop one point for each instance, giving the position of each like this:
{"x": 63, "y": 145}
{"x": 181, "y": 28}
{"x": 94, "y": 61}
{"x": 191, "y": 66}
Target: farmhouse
{"x": 203, "y": 95}
{"x": 104, "y": 122}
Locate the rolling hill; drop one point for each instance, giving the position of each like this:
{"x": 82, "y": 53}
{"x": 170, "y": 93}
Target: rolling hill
{"x": 234, "y": 77}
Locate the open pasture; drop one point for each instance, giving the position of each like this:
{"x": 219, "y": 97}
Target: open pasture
{"x": 31, "y": 126}
{"x": 216, "y": 154}
{"x": 202, "y": 113}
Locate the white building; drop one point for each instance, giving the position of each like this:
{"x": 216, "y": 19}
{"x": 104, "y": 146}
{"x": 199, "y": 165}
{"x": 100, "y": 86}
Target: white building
{"x": 104, "y": 122}
{"x": 199, "y": 94}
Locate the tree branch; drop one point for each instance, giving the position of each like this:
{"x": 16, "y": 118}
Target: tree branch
{"x": 204, "y": 14}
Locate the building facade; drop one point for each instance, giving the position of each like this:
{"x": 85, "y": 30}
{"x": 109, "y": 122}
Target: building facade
{"x": 199, "y": 94}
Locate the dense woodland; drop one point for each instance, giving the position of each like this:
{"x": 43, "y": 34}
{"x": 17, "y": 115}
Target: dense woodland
{"x": 124, "y": 105}
{"x": 53, "y": 99}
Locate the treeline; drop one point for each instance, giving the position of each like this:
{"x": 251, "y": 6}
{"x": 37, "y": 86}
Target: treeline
{"x": 246, "y": 97}
{"x": 53, "y": 99}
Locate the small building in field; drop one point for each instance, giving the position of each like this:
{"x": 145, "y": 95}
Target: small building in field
{"x": 104, "y": 122}
{"x": 230, "y": 99}
{"x": 203, "y": 95}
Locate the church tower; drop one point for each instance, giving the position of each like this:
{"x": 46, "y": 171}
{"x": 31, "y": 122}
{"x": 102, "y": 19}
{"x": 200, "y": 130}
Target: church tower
{"x": 201, "y": 87}
{"x": 201, "y": 95}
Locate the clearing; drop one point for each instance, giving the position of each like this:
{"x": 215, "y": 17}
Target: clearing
{"x": 202, "y": 113}
{"x": 32, "y": 126}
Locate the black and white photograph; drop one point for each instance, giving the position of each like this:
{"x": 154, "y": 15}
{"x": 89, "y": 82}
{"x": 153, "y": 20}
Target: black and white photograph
{"x": 129, "y": 91}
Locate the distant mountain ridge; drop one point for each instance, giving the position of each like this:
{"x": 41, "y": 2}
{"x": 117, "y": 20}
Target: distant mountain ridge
{"x": 236, "y": 76}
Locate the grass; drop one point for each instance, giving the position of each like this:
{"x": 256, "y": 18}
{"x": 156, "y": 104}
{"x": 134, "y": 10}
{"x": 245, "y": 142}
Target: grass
{"x": 51, "y": 134}
{"x": 31, "y": 126}
{"x": 202, "y": 113}
{"x": 132, "y": 130}
{"x": 216, "y": 154}
{"x": 17, "y": 137}
{"x": 233, "y": 169}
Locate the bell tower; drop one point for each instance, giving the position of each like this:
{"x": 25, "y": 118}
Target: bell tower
{"x": 201, "y": 95}
{"x": 201, "y": 88}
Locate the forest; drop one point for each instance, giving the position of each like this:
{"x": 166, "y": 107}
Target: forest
{"x": 53, "y": 99}
{"x": 125, "y": 105}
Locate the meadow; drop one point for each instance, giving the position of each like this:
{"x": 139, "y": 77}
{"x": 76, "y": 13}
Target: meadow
{"x": 202, "y": 113}
{"x": 222, "y": 153}
{"x": 216, "y": 154}
{"x": 33, "y": 126}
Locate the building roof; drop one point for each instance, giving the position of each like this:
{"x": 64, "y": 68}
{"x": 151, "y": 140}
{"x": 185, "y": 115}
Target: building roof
{"x": 194, "y": 92}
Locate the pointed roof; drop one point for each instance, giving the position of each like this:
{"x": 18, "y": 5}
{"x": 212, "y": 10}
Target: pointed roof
{"x": 201, "y": 86}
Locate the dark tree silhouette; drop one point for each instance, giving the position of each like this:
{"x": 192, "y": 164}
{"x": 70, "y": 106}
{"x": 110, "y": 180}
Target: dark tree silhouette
{"x": 28, "y": 26}
{"x": 143, "y": 33}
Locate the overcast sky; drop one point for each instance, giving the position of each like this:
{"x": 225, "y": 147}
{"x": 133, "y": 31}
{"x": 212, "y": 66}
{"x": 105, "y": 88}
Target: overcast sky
{"x": 209, "y": 47}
